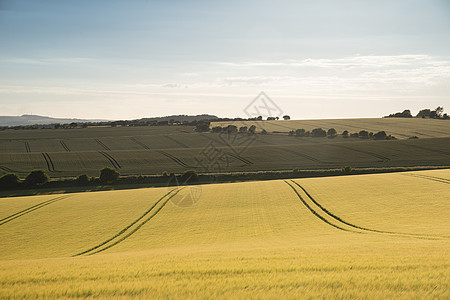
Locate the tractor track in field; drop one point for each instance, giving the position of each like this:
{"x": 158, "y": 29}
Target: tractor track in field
{"x": 6, "y": 169}
{"x": 176, "y": 141}
{"x": 428, "y": 149}
{"x": 242, "y": 159}
{"x": 363, "y": 229}
{"x": 49, "y": 162}
{"x": 140, "y": 143}
{"x": 111, "y": 159}
{"x": 30, "y": 209}
{"x": 102, "y": 145}
{"x": 433, "y": 178}
{"x": 122, "y": 235}
{"x": 27, "y": 147}
{"x": 63, "y": 144}
{"x": 301, "y": 154}
{"x": 175, "y": 159}
{"x": 383, "y": 158}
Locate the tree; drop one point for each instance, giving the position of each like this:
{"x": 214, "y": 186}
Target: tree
{"x": 263, "y": 131}
{"x": 216, "y": 129}
{"x": 271, "y": 118}
{"x": 243, "y": 129}
{"x": 363, "y": 134}
{"x": 36, "y": 177}
{"x": 259, "y": 118}
{"x": 424, "y": 113}
{"x": 108, "y": 175}
{"x": 9, "y": 181}
{"x": 189, "y": 177}
{"x": 318, "y": 132}
{"x": 202, "y": 127}
{"x": 231, "y": 129}
{"x": 381, "y": 135}
{"x": 286, "y": 117}
{"x": 82, "y": 180}
{"x": 331, "y": 132}
{"x": 300, "y": 132}
{"x": 439, "y": 110}
{"x": 345, "y": 133}
{"x": 291, "y": 133}
{"x": 347, "y": 170}
{"x": 252, "y": 129}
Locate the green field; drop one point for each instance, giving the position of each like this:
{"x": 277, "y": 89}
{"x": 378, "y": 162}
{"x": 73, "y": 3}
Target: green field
{"x": 152, "y": 150}
{"x": 365, "y": 236}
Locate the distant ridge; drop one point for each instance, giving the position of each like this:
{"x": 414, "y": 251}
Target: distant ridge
{"x": 25, "y": 120}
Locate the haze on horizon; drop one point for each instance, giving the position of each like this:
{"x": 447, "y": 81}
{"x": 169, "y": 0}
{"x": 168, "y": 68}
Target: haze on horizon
{"x": 315, "y": 59}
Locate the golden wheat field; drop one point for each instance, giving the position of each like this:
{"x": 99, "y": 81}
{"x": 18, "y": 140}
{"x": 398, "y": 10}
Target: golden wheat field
{"x": 364, "y": 236}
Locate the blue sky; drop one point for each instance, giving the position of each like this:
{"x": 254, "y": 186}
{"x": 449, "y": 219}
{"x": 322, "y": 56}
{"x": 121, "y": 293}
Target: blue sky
{"x": 132, "y": 59}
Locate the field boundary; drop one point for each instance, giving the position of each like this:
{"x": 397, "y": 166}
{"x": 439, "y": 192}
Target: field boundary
{"x": 30, "y": 209}
{"x": 91, "y": 251}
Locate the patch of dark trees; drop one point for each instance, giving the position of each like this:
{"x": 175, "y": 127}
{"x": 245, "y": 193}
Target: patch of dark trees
{"x": 437, "y": 113}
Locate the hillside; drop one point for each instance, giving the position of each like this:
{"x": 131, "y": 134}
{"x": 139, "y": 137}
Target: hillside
{"x": 344, "y": 236}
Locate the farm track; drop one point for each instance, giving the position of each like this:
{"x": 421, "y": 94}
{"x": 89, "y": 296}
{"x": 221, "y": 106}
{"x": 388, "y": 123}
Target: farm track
{"x": 438, "y": 179}
{"x": 111, "y": 159}
{"x": 30, "y": 209}
{"x": 175, "y": 159}
{"x": 363, "y": 229}
{"x": 315, "y": 213}
{"x": 182, "y": 145}
{"x": 140, "y": 143}
{"x": 27, "y": 147}
{"x": 63, "y": 144}
{"x": 242, "y": 159}
{"x": 383, "y": 158}
{"x": 122, "y": 235}
{"x": 101, "y": 144}
{"x": 49, "y": 162}
{"x": 301, "y": 154}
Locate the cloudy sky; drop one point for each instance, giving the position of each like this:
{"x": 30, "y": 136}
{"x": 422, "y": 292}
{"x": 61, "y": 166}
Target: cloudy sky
{"x": 133, "y": 59}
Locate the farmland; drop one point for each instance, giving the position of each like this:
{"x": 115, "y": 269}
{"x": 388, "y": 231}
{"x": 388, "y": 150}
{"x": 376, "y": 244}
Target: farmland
{"x": 365, "y": 236}
{"x": 155, "y": 149}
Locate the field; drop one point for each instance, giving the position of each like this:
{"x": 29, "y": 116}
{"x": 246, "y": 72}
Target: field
{"x": 153, "y": 150}
{"x": 365, "y": 236}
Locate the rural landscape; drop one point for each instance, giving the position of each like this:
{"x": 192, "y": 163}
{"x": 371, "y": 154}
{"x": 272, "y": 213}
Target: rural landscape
{"x": 198, "y": 149}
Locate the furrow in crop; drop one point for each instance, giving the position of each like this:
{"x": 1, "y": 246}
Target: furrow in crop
{"x": 63, "y": 144}
{"x": 423, "y": 236}
{"x": 47, "y": 162}
{"x": 27, "y": 147}
{"x": 176, "y": 141}
{"x": 119, "y": 238}
{"x": 383, "y": 158}
{"x": 113, "y": 162}
{"x": 140, "y": 143}
{"x": 244, "y": 160}
{"x": 30, "y": 209}
{"x": 50, "y": 161}
{"x": 175, "y": 159}
{"x": 300, "y": 154}
{"x": 101, "y": 144}
{"x": 315, "y": 213}
{"x": 6, "y": 169}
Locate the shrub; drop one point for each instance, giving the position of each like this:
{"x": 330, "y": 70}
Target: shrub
{"x": 36, "y": 177}
{"x": 243, "y": 129}
{"x": 252, "y": 129}
{"x": 345, "y": 133}
{"x": 291, "y": 133}
{"x": 300, "y": 132}
{"x": 9, "y": 181}
{"x": 82, "y": 180}
{"x": 263, "y": 131}
{"x": 347, "y": 170}
{"x": 381, "y": 135}
{"x": 216, "y": 129}
{"x": 165, "y": 174}
{"x": 363, "y": 134}
{"x": 318, "y": 132}
{"x": 190, "y": 176}
{"x": 202, "y": 127}
{"x": 332, "y": 132}
{"x": 230, "y": 129}
{"x": 108, "y": 175}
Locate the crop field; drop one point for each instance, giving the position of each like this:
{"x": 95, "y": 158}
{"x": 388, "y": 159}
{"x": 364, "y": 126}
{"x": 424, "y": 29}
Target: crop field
{"x": 155, "y": 149}
{"x": 364, "y": 236}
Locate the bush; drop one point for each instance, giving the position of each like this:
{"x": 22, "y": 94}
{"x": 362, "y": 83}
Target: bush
{"x": 345, "y": 133}
{"x": 9, "y": 181}
{"x": 300, "y": 132}
{"x": 243, "y": 129}
{"x": 363, "y": 134}
{"x": 108, "y": 175}
{"x": 381, "y": 135}
{"x": 216, "y": 129}
{"x": 190, "y": 176}
{"x": 252, "y": 129}
{"x": 263, "y": 131}
{"x": 202, "y": 127}
{"x": 82, "y": 180}
{"x": 36, "y": 177}
{"x": 347, "y": 170}
{"x": 332, "y": 132}
{"x": 318, "y": 132}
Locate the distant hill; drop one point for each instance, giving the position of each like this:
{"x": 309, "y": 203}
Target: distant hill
{"x": 44, "y": 120}
{"x": 37, "y": 120}
{"x": 181, "y": 118}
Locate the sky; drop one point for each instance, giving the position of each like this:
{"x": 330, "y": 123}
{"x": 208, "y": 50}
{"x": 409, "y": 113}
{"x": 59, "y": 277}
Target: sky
{"x": 132, "y": 59}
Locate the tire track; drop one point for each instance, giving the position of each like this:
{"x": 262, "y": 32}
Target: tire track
{"x": 242, "y": 159}
{"x": 176, "y": 141}
{"x": 301, "y": 154}
{"x": 140, "y": 143}
{"x": 48, "y": 161}
{"x": 7, "y": 170}
{"x": 111, "y": 159}
{"x": 27, "y": 147}
{"x": 101, "y": 144}
{"x": 63, "y": 144}
{"x": 340, "y": 220}
{"x": 30, "y": 209}
{"x": 175, "y": 159}
{"x": 317, "y": 214}
{"x": 383, "y": 158}
{"x": 438, "y": 179}
{"x": 119, "y": 236}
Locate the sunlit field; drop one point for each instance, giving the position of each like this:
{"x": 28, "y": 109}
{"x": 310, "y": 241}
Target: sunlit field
{"x": 365, "y": 236}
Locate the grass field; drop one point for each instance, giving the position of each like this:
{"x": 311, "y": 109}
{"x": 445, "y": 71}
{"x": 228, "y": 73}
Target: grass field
{"x": 152, "y": 150}
{"x": 365, "y": 236}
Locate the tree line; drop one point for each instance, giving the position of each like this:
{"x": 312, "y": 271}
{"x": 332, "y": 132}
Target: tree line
{"x": 437, "y": 113}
